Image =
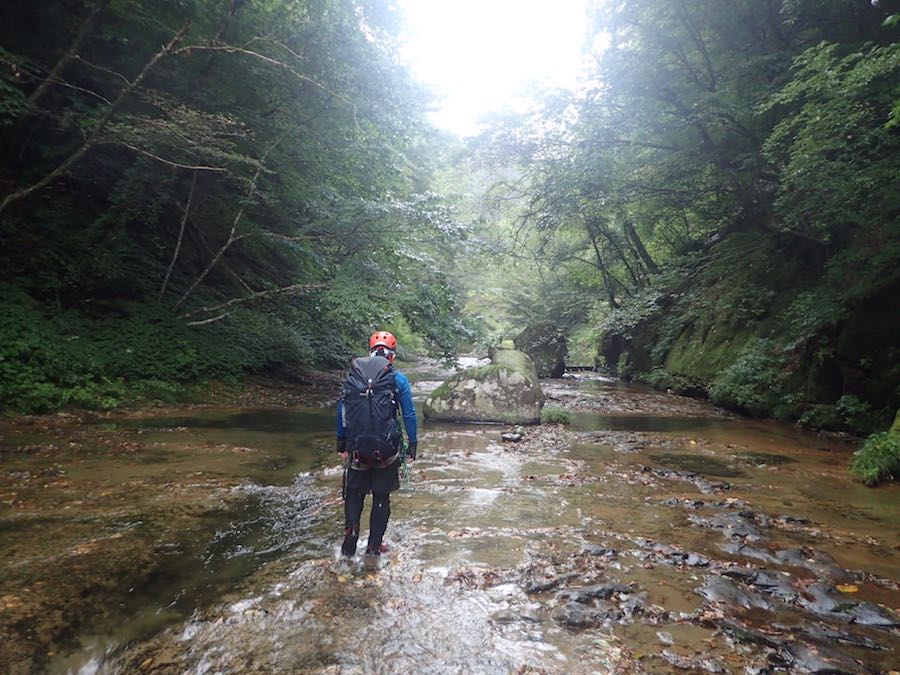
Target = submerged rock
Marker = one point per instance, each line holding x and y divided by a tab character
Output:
721	590
588	593
705	486
507	391
513	436
829	634
672	555
746	635
596	549
741	549
693	663
735	526
862	613
819	659
636	604
577	615
541	584
816	561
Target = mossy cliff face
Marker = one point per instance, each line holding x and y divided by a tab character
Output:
773	328
506	391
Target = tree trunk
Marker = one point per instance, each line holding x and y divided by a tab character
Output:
601	265
640	248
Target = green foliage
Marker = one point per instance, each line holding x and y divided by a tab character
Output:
50	361
753	382
408	343
810	313
821	416
878	459
555	416
12	102
278	146
728	188
836	153
857	415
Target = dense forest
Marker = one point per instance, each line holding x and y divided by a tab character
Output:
201	190
197	190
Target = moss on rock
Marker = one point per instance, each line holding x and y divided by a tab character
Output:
507	391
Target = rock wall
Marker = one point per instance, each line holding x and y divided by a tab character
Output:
785	334
546	346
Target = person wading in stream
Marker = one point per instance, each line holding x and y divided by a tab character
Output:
369	439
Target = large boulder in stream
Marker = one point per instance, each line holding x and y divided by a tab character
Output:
506	391
546	346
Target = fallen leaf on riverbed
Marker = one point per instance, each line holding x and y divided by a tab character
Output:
84	548
8	602
847	588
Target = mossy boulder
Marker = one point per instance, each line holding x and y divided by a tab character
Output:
546	346
506	391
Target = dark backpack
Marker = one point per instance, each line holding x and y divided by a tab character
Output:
370	409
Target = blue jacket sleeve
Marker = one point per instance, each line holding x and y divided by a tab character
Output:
340	420
404	393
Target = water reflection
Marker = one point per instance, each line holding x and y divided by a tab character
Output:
597	422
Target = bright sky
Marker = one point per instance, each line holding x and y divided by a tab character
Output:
480	56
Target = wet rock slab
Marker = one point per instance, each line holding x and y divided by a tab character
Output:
721	590
705	486
824	603
578	615
585	594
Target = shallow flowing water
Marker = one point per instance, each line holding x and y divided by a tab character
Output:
654	534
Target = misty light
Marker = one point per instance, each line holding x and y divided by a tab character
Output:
484	56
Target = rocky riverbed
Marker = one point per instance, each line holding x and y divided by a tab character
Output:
653	534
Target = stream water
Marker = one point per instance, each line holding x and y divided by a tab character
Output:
653	534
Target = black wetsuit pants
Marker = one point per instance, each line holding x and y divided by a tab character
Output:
378	520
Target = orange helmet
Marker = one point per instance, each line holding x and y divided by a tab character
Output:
382	339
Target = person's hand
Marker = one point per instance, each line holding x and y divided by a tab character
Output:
411	452
344	455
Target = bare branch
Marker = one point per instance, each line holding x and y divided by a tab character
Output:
232	236
102	69
95	136
68	55
201	322
202	239
229	49
177	165
293	288
187	210
60	82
